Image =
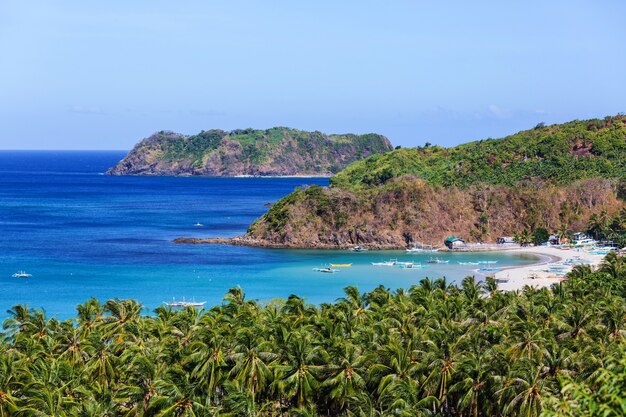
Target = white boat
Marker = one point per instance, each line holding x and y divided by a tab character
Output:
437	261
469	263
21	274
411	265
327	270
390	262
198	225
490	269
421	250
183	304
585	242
358	248
487	262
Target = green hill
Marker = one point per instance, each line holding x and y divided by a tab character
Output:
548	177
559	153
278	151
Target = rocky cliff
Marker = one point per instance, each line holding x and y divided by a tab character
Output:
273	152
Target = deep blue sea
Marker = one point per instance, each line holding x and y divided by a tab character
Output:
82	234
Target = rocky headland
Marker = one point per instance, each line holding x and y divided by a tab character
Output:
273	152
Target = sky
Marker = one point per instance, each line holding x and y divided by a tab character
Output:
102	75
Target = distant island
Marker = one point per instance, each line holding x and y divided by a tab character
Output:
558	177
278	151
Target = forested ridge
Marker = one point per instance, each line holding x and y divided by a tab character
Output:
432	350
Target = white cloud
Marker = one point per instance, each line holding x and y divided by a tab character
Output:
499	112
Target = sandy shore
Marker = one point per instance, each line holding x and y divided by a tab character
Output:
536	275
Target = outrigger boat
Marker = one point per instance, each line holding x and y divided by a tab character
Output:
341	265
411	265
390	262
183	304
21	274
437	261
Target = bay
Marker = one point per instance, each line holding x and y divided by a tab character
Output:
82	234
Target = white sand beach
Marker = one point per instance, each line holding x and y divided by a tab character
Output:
537	275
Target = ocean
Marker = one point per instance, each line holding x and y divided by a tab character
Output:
82	234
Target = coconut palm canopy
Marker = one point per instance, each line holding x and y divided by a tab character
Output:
433	350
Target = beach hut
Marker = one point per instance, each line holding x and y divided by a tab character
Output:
454	242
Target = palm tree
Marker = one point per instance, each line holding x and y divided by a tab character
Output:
253	362
613	264
471	386
598	224
345	378
522	394
563	233
298	377
175	395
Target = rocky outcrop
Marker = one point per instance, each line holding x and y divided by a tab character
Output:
408	210
272	152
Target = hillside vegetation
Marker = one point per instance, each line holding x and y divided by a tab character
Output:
433	350
276	151
554	177
558	153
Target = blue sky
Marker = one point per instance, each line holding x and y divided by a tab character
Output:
102	75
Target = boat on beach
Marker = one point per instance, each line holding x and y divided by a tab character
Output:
417	249
21	274
183	304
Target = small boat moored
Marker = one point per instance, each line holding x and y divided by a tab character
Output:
327	270
438	261
22	274
183	304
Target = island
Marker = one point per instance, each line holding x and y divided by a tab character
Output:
559	177
279	151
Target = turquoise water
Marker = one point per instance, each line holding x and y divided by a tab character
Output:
82	234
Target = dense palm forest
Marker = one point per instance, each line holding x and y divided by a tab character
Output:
433	350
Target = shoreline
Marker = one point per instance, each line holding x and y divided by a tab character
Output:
516	278
511	278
